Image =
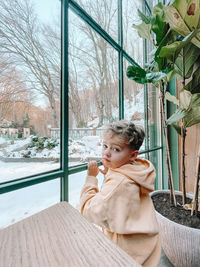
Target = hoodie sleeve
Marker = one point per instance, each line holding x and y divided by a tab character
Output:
117	207
92	202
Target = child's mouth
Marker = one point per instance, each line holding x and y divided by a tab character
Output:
107	160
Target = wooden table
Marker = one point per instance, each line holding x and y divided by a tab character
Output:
59	236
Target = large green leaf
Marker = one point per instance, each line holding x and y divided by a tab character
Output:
192	115
189	11
185	99
155	77
184	16
173	50
176	116
172	98
190	54
194	85
177	128
137	74
189	111
144	30
183	54
168	38
144	18
159	25
156	23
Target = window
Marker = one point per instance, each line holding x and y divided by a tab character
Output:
132	43
19	204
30	55
73	86
30	107
93	89
99	91
105	13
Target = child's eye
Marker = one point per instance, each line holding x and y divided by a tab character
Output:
116	149
105	146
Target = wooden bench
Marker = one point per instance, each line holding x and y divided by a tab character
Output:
59	236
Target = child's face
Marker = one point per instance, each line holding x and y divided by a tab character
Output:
115	152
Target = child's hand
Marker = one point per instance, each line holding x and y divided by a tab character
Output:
93	169
104	171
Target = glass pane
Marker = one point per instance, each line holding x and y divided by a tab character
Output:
105	13
154	116
76	182
22	203
149	4
29	86
154	119
133	100
132	43
155	2
93	89
22	168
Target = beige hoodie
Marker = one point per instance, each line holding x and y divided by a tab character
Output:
124	209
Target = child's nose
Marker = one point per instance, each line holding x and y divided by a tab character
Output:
107	151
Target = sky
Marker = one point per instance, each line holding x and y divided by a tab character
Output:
47	9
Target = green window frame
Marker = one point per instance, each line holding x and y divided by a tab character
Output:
64	170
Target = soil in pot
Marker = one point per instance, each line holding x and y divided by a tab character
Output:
177	214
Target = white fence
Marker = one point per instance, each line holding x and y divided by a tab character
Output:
77	133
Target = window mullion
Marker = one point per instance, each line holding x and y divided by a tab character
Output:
64	99
120	59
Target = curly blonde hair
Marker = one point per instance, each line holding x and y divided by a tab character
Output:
132	134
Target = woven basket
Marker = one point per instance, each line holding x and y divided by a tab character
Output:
180	243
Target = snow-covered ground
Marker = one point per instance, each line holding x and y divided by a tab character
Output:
19	204
24	152
15	170
22	203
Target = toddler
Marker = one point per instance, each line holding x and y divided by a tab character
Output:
123	207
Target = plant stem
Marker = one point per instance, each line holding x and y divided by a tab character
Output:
195	202
170	178
197	196
183	133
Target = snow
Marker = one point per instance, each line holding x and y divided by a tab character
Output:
94	123
87	147
2	140
14	170
19	204
14	145
82	148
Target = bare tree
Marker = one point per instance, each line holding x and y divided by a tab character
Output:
23	37
12	88
96	56
97	61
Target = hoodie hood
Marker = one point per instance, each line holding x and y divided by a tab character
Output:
141	172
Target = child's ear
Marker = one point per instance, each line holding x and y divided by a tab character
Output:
134	154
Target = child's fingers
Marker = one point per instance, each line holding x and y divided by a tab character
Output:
93	168
104	171
92	164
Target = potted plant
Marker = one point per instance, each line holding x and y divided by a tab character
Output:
174	32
